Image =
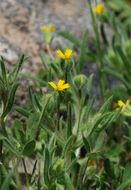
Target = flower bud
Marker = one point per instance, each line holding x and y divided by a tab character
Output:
58	166
80	80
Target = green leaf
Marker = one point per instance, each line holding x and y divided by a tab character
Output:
32	126
89	84
56	69
68	182
109	168
127	172
106	121
29	148
17	124
3	69
124	185
69	120
14	73
44	109
86	144
124	59
100	140
10	100
3	173
37	102
83	50
106	105
70	37
68	145
9	145
22	111
17	132
119	76
46	165
7	182
32	99
45	60
59	186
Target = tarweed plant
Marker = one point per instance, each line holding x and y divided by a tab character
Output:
74	139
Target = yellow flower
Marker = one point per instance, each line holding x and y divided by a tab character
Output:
60	86
50	28
65	55
122	105
99	9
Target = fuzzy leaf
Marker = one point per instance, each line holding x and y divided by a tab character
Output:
29	148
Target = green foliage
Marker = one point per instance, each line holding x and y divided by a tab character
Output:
76	139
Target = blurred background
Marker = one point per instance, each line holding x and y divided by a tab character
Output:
20	21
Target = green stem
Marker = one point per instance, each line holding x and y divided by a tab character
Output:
78	115
2	123
100	64
26	174
49	51
103	35
3	132
41	117
66	75
17	176
58	112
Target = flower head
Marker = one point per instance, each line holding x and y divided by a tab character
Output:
60	86
99	9
49	28
123	105
65	55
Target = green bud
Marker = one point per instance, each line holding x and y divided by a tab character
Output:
38	145
80	80
59	165
18	145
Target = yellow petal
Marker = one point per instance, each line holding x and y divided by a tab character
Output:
52	28
44	28
68	53
127	102
61	82
65	86
121	104
53	85
99	9
49	28
60	54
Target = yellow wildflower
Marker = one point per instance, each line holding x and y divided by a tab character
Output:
65	55
122	105
60	86
49	28
99	9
